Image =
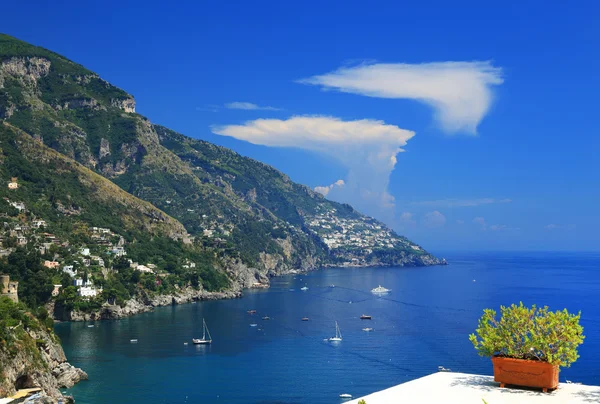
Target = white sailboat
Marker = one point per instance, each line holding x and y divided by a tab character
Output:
338	334
203	340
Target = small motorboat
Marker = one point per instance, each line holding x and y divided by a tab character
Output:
443	369
380	290
345	395
266	318
90	325
133	341
185	343
253	325
304	288
332	286
304	318
251	311
367	329
365	317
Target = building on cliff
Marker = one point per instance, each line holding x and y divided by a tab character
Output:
9	288
13	184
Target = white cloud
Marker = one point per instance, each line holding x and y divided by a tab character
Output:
208	108
325	190
481	222
459	92
249	106
460	222
459	203
407	220
367	148
435	219
553	226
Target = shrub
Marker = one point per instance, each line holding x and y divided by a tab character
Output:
529	333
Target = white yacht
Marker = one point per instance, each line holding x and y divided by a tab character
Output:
304	288
204	340
379	290
338	334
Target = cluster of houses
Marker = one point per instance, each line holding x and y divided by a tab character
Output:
360	232
103	245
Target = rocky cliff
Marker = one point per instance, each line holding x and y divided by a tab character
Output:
31	356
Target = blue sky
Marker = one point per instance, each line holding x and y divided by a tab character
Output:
528	179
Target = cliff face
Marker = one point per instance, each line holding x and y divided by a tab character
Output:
31	356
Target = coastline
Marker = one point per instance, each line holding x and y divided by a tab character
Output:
145	303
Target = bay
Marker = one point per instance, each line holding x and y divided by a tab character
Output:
422	324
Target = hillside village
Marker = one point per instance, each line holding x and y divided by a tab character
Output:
78	264
364	233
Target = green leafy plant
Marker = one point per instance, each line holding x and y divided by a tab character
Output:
534	333
362	402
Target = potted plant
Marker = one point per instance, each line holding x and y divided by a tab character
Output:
528	345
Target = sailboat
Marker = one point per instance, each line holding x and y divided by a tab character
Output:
203	340
338	334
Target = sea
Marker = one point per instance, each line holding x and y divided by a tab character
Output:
423	323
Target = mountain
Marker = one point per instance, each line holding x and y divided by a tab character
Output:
85	156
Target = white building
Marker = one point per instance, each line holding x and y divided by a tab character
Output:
141	268
89	291
38	223
84	251
68	269
118	251
18	205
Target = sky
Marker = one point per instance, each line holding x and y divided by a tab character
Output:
462	126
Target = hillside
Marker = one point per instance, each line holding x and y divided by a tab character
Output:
244	209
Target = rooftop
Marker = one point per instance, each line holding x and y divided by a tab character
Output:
462	388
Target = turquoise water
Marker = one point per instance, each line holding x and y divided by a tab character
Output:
422	324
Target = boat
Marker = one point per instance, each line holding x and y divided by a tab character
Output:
367	329
345	395
443	369
338	334
204	340
304	318
90	325
253	325
251	311
133	340
332	286
266	318
185	343
365	317
380	290
304	288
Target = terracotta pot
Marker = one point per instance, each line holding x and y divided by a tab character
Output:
522	372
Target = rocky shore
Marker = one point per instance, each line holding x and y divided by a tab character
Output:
38	361
142	304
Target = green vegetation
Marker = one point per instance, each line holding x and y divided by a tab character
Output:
15	321
83	162
529	333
